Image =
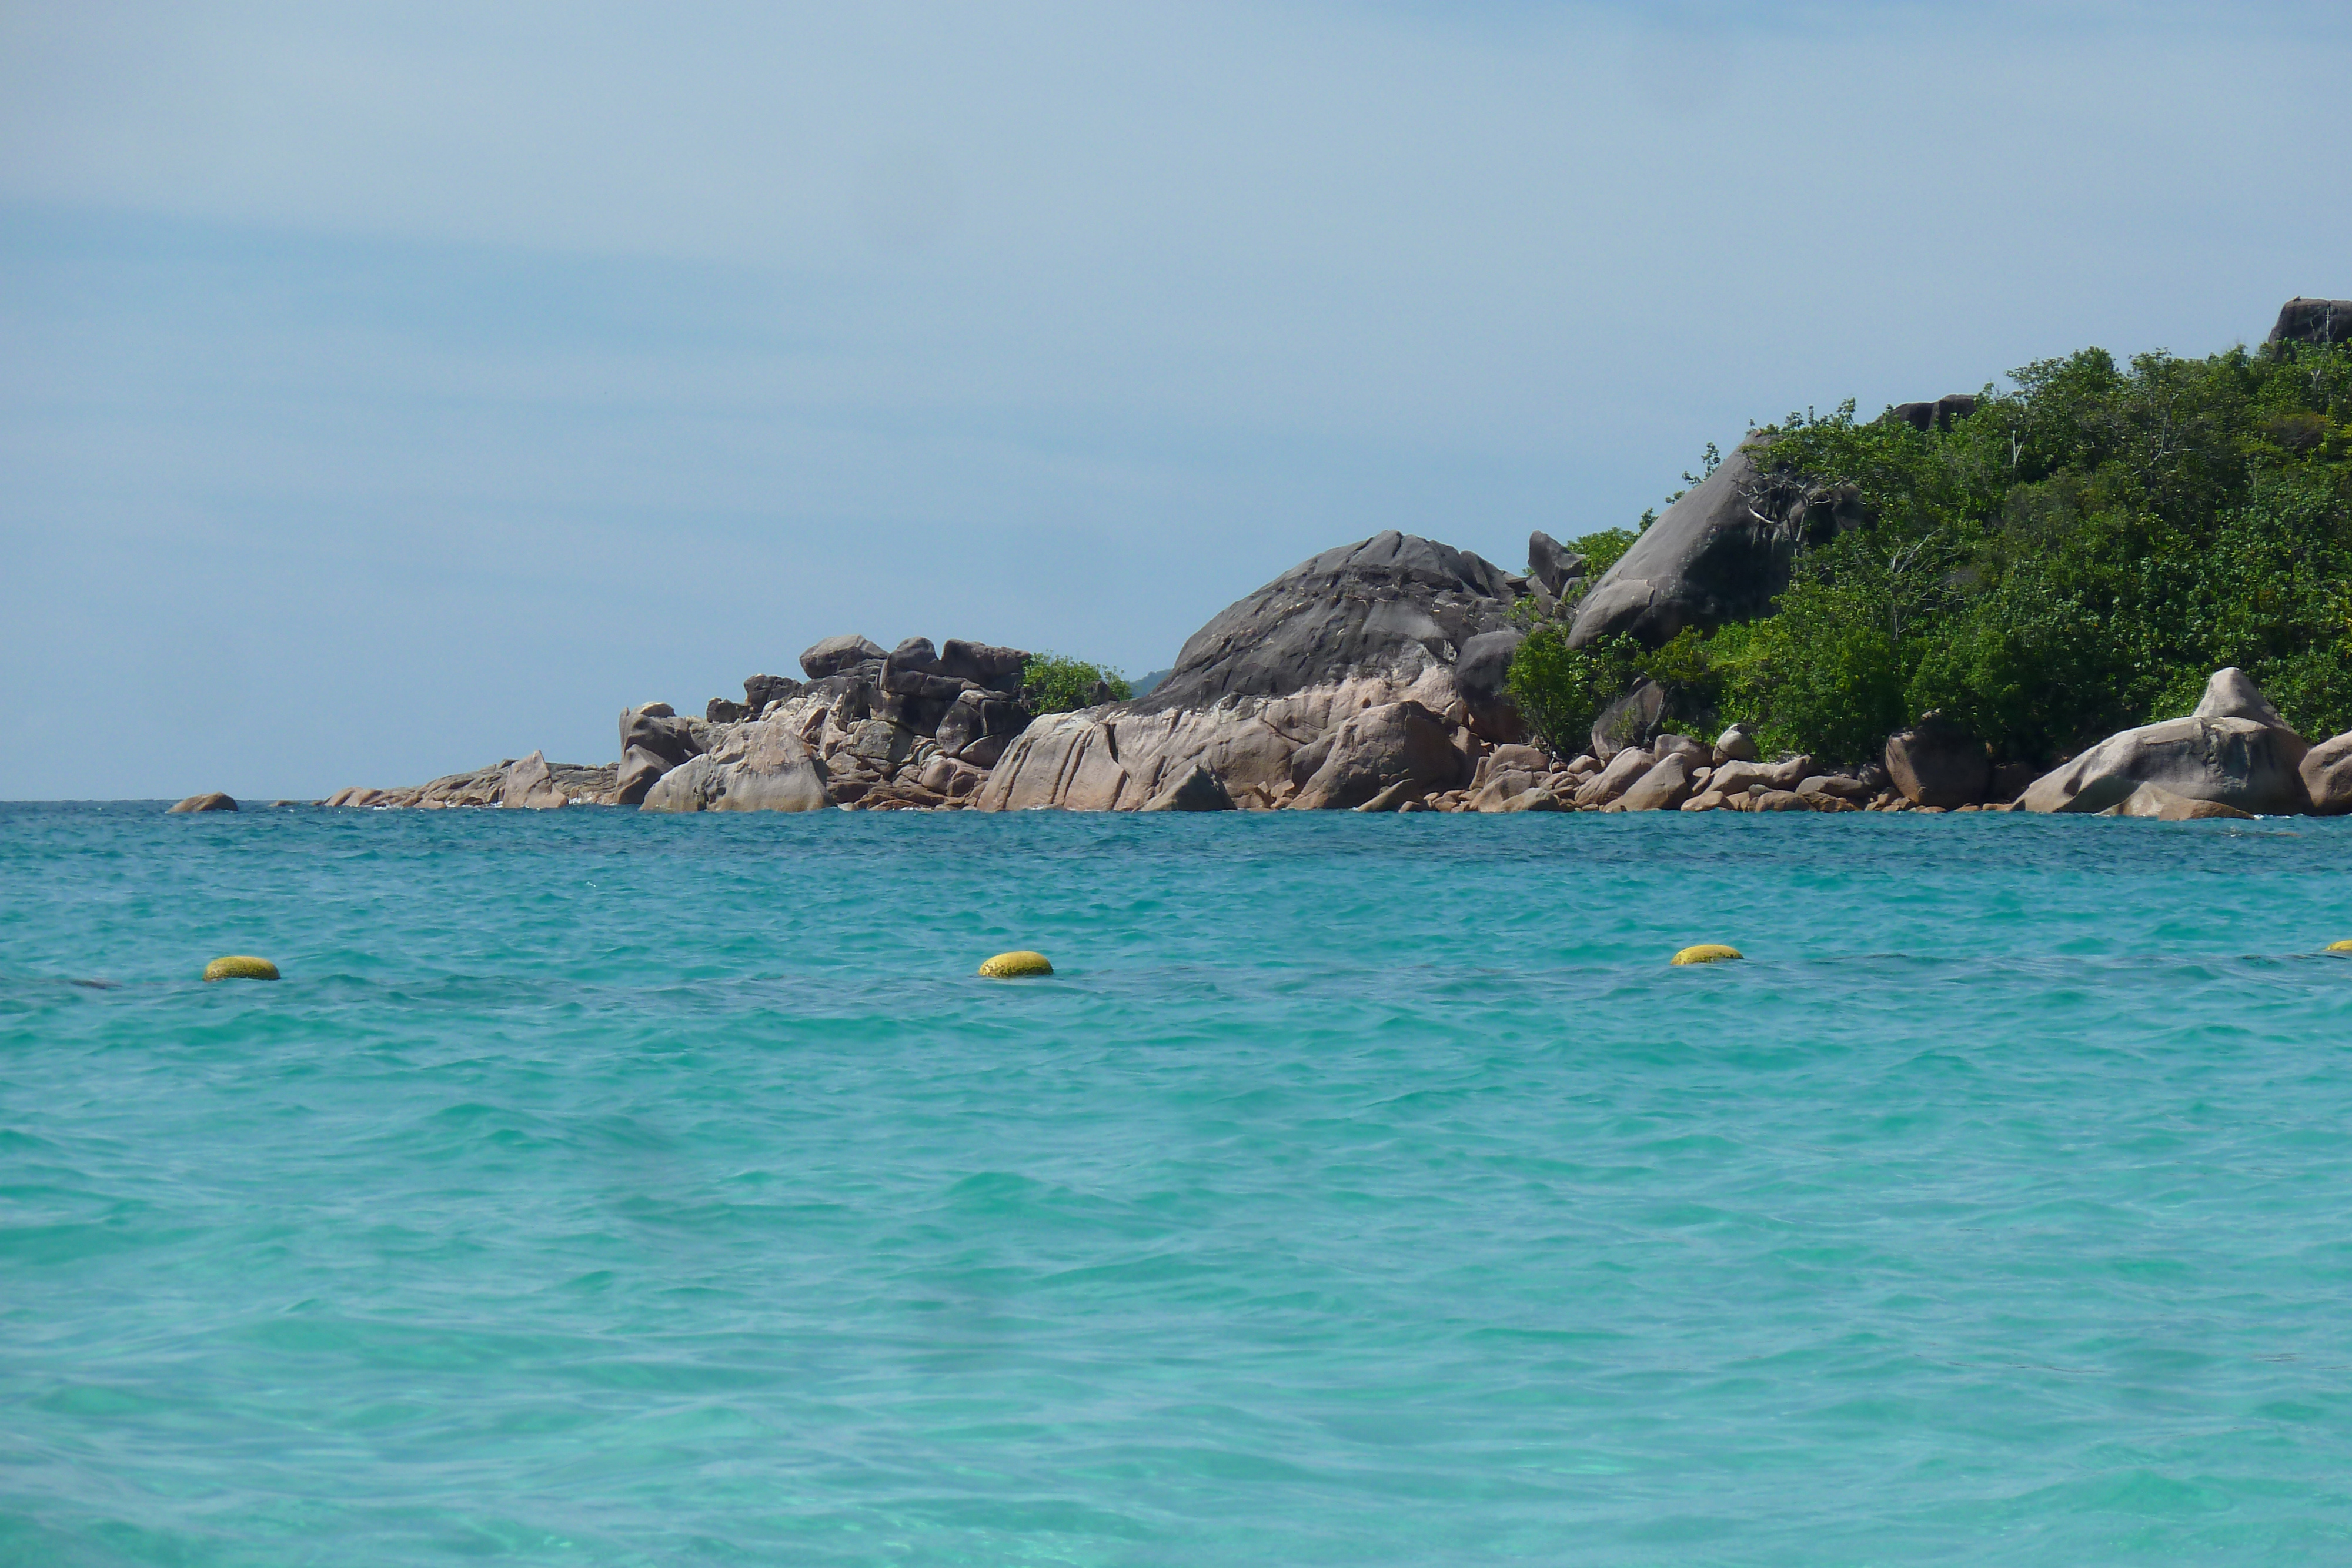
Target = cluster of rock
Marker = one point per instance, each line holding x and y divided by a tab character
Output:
917	727
1368	679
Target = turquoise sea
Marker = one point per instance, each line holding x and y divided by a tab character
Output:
599	1188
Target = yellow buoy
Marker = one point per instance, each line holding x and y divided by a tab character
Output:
2340	947
1009	966
1707	952
241	967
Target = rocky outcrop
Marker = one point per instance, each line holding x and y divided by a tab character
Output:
2327	771
654	740
979	724
1553	566
1480	679
835	654
2219	753
1401	743
580	785
1719	554
1390	608
2302	321
1938	763
529	785
1264	749
762	766
213	801
759	691
2230	693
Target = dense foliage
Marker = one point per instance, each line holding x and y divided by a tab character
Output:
2076	557
1053	683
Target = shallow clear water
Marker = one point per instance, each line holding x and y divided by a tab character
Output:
608	1189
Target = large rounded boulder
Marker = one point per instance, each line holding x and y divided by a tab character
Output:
1938	763
1392	606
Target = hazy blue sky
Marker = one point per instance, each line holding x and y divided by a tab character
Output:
388	390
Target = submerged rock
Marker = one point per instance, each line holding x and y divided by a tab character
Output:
214	801
2164	805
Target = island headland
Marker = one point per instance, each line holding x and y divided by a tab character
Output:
1947	608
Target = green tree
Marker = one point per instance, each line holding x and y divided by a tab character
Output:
1053	683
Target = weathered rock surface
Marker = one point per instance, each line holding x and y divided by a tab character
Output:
1634	720
757	767
1501	789
1265	749
1629	763
979	724
2327	771
2238	762
654	740
983	664
1479	677
1552	564
1938	763
1390	608
2302	321
1199	790
1735	745
835	654
1719	554
213	801
1536	800
2230	693
1663	787
1683	746
1392	742
759	691
529	785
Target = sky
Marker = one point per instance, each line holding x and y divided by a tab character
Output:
389	389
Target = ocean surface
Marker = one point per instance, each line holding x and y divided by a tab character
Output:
599	1188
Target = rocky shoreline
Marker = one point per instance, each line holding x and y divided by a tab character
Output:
1367	679
1372	678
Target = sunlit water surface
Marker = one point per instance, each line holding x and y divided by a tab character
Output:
1362	1190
